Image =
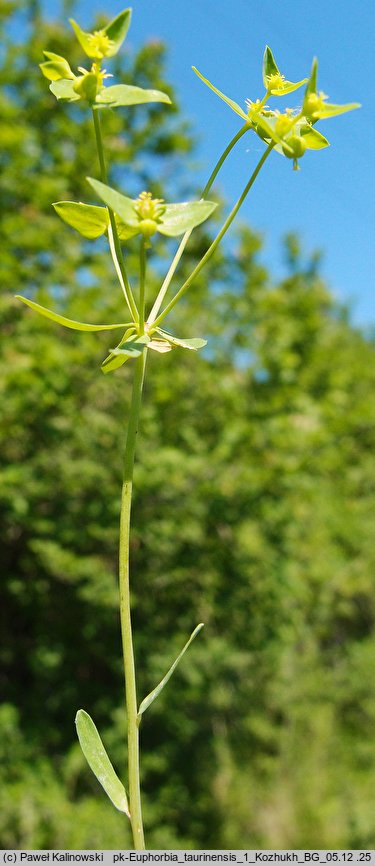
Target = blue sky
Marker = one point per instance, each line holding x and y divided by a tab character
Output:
330	201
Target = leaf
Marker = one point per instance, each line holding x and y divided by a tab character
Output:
287	87
193	343
312	83
128	347
84	39
126	94
64	89
313	139
116	31
160	346
68	323
119	203
131	348
270	66
124	232
233	105
330	110
179	218
89	220
56	67
98	760
149	699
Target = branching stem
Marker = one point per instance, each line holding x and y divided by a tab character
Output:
215	243
115	245
167	281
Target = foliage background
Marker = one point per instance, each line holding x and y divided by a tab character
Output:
253	512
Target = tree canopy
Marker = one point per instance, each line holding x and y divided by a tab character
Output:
253	512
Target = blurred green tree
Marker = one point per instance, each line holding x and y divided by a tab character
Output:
253	513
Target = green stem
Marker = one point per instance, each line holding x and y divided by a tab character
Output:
135	807
115	246
217	240
142	285
165	286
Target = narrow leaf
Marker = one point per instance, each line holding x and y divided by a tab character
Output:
155	692
68	323
119	203
98	760
126	94
330	110
312	83
179	218
193	343
233	105
116	31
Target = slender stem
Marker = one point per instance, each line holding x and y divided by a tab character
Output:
218	238
223	157
115	246
142	284
165	286
135	807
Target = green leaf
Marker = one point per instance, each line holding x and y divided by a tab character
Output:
131	348
287	87
128	347
98	760
89	220
116	31
84	39
270	66
64	89
330	110
176	219
68	323
312	83
56	67
122	205
126	94
193	343
233	105
313	139
179	218
149	699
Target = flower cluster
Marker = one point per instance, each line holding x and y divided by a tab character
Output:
292	131
89	85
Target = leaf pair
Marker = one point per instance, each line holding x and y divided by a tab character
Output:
89	85
93	748
106	42
106	97
170	220
131	345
